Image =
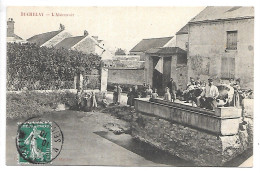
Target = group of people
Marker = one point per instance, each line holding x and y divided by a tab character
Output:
144	91
208	95
199	93
86	100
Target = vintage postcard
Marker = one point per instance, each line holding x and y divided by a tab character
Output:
130	86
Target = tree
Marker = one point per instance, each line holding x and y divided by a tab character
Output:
120	51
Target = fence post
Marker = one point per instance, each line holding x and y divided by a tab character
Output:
104	76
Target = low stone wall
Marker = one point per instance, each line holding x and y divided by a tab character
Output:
204	148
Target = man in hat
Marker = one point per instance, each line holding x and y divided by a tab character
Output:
209	96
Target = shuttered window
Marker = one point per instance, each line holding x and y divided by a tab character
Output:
227	68
231	40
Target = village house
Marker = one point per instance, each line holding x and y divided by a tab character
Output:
86	44
159	60
217	43
11	36
221	44
130	69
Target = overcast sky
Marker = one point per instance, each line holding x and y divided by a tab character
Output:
121	27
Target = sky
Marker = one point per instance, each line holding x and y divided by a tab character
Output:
120	27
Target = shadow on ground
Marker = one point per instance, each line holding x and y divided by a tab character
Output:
144	150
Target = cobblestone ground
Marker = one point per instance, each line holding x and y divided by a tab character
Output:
88	140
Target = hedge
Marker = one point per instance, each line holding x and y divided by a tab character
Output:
34	67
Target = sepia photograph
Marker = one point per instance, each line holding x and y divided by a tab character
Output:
135	86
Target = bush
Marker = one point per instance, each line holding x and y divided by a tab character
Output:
33	103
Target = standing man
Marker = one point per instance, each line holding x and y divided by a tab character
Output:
173	88
209	96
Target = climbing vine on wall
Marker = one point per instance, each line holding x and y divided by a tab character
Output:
200	65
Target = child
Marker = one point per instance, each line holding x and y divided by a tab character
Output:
149	91
115	96
130	97
167	95
94	101
119	91
154	94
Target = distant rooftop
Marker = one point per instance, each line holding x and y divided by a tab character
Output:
40	39
221	13
147	44
69	42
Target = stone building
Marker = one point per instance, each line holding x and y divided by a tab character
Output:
86	44
163	60
165	63
221	44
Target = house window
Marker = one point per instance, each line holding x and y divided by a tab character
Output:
231	40
227	68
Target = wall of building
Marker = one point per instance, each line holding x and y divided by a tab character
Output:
207	46
182	40
141	54
126	76
179	72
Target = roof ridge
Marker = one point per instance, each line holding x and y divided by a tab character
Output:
158	38
45	33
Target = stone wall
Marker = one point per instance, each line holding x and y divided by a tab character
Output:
162	126
126	76
202	148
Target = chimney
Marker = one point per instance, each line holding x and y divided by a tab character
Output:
62	27
85	33
10	27
95	37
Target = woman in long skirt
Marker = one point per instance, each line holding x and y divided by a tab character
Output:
115	95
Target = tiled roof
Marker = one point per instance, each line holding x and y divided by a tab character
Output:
69	42
166	51
221	13
183	30
147	44
40	39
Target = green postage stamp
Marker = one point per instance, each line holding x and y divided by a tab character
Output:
34	142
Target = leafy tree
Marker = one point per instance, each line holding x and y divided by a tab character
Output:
120	51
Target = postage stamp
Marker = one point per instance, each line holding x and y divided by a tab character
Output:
34	142
38	141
